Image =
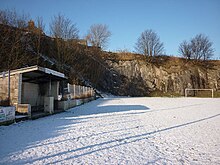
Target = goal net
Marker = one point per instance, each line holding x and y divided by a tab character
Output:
199	92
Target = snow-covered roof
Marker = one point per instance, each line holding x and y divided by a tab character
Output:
32	69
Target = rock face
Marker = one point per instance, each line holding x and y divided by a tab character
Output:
143	78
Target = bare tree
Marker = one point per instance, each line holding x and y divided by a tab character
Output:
13	47
63	31
40	23
149	44
199	48
40	26
62	27
14	43
185	50
13	18
98	35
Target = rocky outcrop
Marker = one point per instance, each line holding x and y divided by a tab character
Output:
116	73
144	77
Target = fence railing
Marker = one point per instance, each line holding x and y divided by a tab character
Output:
188	90
79	92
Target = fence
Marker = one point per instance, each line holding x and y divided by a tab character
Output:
80	92
187	89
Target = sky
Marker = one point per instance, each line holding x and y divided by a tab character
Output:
173	20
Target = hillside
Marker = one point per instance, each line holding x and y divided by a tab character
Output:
165	75
116	73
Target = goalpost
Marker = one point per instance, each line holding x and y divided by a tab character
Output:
188	89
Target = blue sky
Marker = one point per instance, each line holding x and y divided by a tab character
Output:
173	20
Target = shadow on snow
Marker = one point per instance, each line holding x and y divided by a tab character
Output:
52	126
117	142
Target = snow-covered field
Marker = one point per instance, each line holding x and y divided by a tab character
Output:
119	131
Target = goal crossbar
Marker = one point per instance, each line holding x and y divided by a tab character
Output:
188	89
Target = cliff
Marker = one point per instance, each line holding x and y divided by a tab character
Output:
165	75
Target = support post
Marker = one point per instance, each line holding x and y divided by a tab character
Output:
68	87
49	93
74	91
186	92
9	84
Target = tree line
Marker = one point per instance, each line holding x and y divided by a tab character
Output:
148	43
23	42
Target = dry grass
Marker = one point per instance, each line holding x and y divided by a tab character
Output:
158	93
204	94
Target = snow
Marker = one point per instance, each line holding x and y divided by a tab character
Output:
119	130
20	116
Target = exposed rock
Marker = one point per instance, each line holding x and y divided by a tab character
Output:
145	77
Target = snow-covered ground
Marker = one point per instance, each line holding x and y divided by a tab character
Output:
119	131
